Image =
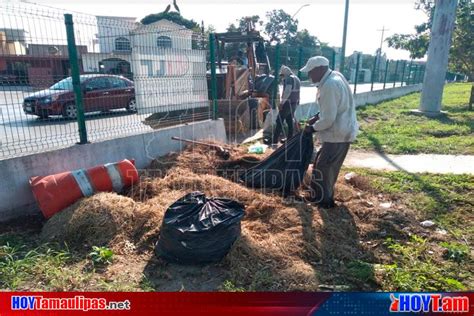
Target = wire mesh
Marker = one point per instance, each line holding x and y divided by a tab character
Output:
134	77
33	57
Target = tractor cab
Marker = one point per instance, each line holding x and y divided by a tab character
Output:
244	83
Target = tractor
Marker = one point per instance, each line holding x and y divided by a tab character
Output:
244	82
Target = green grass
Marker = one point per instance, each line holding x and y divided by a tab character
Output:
416	263
101	255
391	128
415	270
447	200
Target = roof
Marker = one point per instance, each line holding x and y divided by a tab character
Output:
125	18
164	25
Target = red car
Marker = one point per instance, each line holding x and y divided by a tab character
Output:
100	93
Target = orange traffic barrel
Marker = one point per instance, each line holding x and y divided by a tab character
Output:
56	192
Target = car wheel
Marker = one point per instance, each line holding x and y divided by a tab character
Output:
70	111
132	106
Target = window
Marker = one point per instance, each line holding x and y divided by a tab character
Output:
122	44
163	42
101	83
116	83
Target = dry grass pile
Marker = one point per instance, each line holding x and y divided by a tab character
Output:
105	219
285	245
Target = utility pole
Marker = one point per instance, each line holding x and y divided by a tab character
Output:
381	37
437	62
344	37
380	48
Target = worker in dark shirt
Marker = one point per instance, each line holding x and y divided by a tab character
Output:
290	99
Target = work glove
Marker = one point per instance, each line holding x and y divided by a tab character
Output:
309	129
313	120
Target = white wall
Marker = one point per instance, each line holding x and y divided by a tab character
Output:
373	97
111	28
306	110
167	79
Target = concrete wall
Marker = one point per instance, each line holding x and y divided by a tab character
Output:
372	97
377	96
16	198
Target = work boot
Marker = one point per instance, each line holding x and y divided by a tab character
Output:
326	205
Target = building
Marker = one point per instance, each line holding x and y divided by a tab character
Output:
113	37
38	65
365	73
118	35
159	57
12	42
169	74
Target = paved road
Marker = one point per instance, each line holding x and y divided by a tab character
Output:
21	133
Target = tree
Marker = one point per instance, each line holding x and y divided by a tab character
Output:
173	17
242	23
461	57
305	39
462	48
280	26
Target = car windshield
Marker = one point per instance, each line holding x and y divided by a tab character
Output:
65	84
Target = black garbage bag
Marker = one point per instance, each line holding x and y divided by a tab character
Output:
285	168
197	229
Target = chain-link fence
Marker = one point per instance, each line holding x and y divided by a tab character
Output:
373	70
131	77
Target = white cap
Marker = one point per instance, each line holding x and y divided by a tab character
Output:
284	70
313	62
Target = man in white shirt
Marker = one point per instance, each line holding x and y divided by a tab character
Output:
336	127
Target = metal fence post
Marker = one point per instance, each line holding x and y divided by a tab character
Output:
403	73
419	74
471	99
387	63
212	60
333	59
395	74
300	61
76	81
409	72
423	74
415	74
275	81
374	69
356	73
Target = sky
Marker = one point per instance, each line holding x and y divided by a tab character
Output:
323	18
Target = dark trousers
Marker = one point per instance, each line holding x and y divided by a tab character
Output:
326	168
286	114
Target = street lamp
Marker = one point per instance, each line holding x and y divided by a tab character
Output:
297	11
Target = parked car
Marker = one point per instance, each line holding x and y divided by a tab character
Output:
100	93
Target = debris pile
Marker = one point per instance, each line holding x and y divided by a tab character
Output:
284	244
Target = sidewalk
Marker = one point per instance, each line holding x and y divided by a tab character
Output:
456	164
